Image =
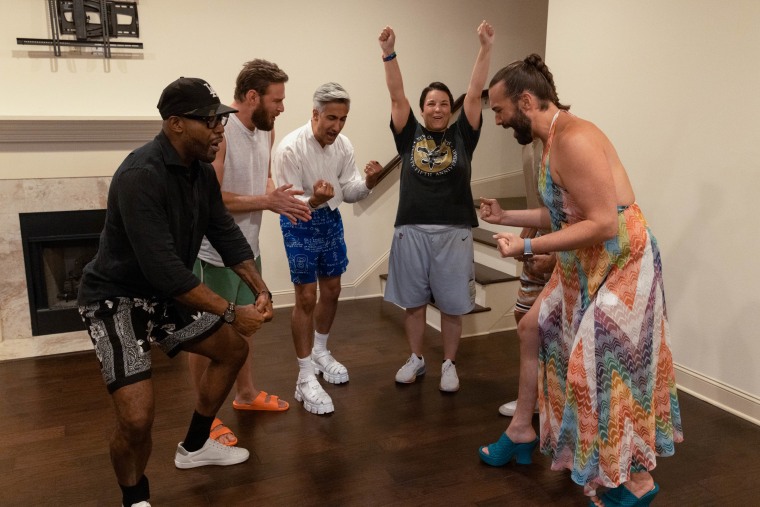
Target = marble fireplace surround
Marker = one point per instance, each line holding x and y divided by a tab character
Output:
27	196
43	137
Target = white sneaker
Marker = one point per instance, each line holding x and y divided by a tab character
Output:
212	453
139	504
449	379
332	371
314	398
508	409
413	368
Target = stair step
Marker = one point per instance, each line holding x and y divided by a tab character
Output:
485	275
483	236
508	203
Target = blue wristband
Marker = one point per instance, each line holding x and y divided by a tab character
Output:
389	57
527	250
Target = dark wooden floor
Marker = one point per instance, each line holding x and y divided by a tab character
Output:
385	444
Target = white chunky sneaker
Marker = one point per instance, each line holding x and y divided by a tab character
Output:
508	409
314	398
413	368
139	504
332	371
212	453
449	379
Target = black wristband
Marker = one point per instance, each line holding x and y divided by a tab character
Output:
271	299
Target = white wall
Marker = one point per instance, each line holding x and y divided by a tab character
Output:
675	86
313	42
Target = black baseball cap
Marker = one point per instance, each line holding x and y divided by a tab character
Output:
191	96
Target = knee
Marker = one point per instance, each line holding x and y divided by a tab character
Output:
306	301
527	329
330	291
135	426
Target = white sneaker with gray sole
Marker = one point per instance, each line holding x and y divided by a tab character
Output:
413	368
212	453
449	378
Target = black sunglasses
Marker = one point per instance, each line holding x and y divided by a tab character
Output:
211	121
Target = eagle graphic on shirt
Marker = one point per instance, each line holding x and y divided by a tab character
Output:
430	158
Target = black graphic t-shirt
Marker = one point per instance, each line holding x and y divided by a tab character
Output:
435	173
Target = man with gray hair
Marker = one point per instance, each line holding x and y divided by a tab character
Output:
317	159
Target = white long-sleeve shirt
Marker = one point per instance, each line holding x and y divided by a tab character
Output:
300	160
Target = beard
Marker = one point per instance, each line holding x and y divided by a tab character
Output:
522	126
261	120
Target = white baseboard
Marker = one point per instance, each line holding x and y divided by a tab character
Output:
716	393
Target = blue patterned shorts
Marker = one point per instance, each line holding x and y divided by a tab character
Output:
315	249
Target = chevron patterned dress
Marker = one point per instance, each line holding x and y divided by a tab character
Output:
607	393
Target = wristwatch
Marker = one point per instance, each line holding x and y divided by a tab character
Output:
527	250
229	313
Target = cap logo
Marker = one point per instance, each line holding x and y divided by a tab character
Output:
210	90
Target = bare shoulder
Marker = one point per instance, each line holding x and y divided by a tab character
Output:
584	151
578	148
577	140
577	132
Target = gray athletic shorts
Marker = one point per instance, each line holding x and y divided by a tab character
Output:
432	264
122	330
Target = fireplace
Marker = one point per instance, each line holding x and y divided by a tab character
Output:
56	246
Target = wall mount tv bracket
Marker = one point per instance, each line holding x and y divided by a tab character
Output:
93	22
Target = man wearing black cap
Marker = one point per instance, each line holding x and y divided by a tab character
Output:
140	288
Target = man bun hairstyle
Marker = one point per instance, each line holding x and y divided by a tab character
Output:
530	74
257	75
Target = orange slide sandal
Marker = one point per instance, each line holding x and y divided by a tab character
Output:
261	403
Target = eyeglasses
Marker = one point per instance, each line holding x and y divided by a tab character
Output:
211	121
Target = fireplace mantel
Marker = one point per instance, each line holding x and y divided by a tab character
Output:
77	129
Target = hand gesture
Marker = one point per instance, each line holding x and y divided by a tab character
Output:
509	245
387	40
485	34
490	211
264	305
323	192
248	319
282	200
372	170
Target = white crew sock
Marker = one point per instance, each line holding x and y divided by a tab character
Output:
320	341
305	368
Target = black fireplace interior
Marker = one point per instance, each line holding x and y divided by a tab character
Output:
57	245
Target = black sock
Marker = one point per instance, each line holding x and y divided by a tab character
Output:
198	432
452	362
140	492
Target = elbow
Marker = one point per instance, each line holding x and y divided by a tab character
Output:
609	229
